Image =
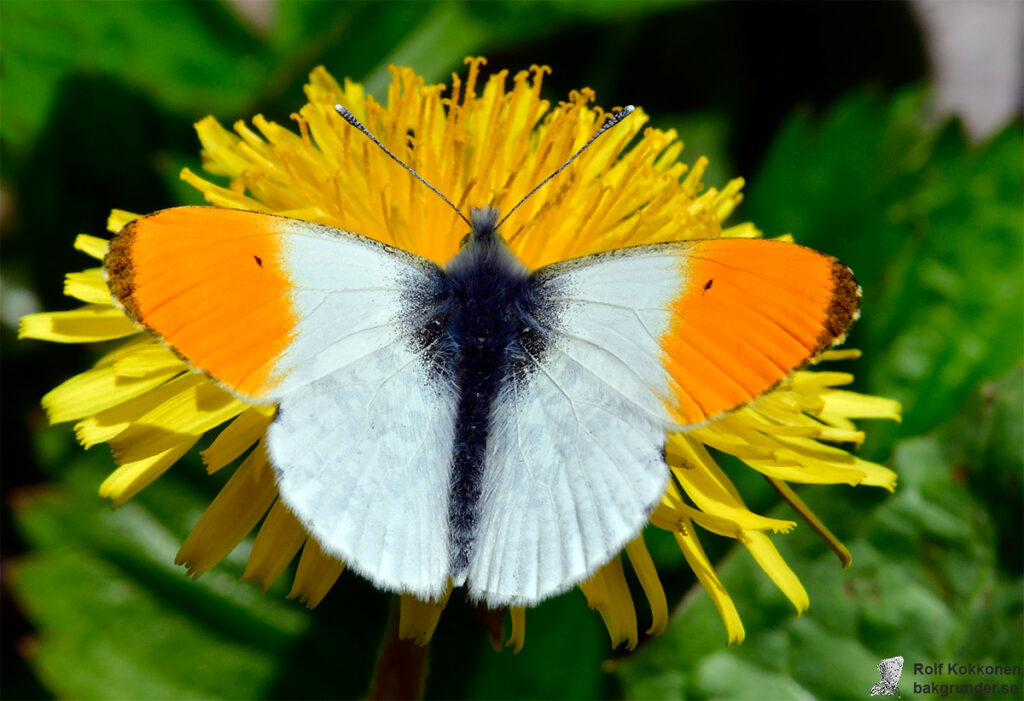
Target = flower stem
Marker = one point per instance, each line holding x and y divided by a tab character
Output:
402	665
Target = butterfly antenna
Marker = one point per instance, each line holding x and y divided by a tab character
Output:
351	119
616	118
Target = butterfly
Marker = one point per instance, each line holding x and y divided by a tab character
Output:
475	424
891	669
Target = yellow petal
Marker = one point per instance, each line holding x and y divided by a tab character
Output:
220	149
316	574
769	421
191	412
861	406
237	437
230	516
94	322
836	420
91	245
840	354
221	196
671	513
97	390
701	566
276	544
105	425
607	592
793	467
746	230
811	462
88	286
643	565
418	619
841	435
712	492
146	360
518	617
772	563
731	436
132	477
875	475
689	453
119	218
728	199
820	378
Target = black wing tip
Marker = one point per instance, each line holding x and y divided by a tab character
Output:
119	268
843	308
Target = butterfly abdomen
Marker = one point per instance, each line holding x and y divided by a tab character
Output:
489	302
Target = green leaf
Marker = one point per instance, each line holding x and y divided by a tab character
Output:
992	463
434	38
931	227
438	43
212	65
115	617
925	583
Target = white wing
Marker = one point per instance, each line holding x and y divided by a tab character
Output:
575	456
363	439
363	460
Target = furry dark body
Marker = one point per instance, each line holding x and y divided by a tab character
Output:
483	330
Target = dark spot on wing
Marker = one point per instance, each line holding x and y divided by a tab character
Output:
259	261
708	284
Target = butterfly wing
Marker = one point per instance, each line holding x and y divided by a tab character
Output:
636	342
891	669
333	327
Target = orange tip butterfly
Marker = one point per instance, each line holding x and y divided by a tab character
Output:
479	425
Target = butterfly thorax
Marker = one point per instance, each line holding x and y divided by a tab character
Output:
488	291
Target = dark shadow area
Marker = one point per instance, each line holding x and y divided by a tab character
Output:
335	658
104	146
755	62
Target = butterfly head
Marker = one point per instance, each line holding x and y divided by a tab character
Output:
484	249
483	226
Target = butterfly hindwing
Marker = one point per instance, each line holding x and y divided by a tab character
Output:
638	341
326	324
362	457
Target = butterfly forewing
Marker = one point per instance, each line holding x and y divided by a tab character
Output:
328	325
750	312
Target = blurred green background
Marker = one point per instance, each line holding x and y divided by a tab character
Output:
824	108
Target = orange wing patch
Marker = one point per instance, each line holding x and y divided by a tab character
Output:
212	284
751	312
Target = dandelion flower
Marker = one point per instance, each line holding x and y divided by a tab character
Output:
486	143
